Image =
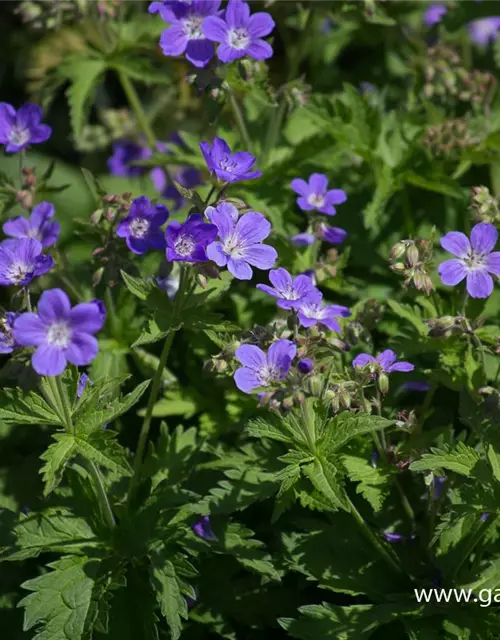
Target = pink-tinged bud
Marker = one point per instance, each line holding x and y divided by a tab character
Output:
97	277
25	199
97	251
412	256
110	214
95	218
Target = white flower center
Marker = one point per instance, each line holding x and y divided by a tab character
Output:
238	38
316	200
192	27
139	227
18	271
59	334
269	373
19	136
475	261
185	245
226	163
312	311
6	333
233	246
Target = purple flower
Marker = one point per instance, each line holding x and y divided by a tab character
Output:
415	385
366	87
228	166
475	260
186	35
260	369
439	482
187	177
21	261
203	529
240	243
484	30
20	128
311	312
385	362
303	239
434	14
239	33
141	227
170	285
188	242
224	207
333	235
305	365
397	537
484	516
61	334
314	195
375	458
7	342
125	153
38	226
289	292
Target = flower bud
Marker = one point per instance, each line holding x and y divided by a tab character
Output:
383	383
315	385
398	267
412	256
398	250
305	365
95	218
97	277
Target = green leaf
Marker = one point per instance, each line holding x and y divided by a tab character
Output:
238	541
168	593
374	212
18	407
56	457
137	286
175	455
90	418
326	478
84	75
408	313
61	606
346	426
462	459
54	530
441	184
261	428
102	448
494	458
373	484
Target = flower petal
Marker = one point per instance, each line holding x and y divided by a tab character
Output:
280	278
224	222
261	256
49	360
452	272
304	204
18	227
260	24
173	41
335	196
479	283
483	237
215	29
386	358
301	187
87	317
29	330
281	353
493	263
240	269
252	228
251	356
259	50
215	252
199	52
226	53
362	360
456	243
402	366
237	13
318	183
246	380
54	306
82	349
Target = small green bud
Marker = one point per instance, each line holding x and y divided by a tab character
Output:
383	383
412	256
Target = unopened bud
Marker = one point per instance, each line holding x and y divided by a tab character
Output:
287	403
339	344
398	250
412	256
110	214
315	385
97	277
398	267
383	383
25	199
95	218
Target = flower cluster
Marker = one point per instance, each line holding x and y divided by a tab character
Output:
196	26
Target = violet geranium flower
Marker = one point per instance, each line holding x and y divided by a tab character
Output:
484	30
39	225
187	242
333	235
240	243
125	153
23	127
186	34
305	365
224	207
434	14
239	33
21	260
475	259
141	227
385	362
289	292
61	334
203	529
303	239
311	312
260	369
314	195
228	166
7	342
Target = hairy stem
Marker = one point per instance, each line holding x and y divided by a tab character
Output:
65	405
135	103
475	538
101	494
240	120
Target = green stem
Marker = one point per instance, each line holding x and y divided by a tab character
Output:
135	103
273	131
22	157
155	388
497	374
309	430
100	490
377	544
476	340
210	194
475	538
61	397
464	303
240	121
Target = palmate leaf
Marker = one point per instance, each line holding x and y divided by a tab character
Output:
167	587
462	459
55	458
346	426
101	448
327	479
54	530
18	407
374	483
62	605
89	418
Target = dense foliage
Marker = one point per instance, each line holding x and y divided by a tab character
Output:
222	415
